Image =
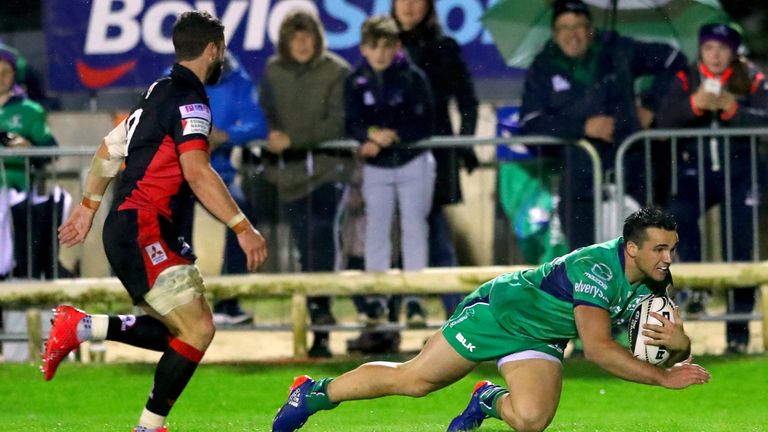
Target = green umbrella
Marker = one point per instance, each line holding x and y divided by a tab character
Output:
520	28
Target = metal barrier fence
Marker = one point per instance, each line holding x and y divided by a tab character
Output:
699	136
66	165
299	324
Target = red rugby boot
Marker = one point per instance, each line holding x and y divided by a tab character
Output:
63	338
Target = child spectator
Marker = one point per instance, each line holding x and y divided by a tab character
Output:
389	108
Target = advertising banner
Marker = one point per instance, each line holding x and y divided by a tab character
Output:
99	44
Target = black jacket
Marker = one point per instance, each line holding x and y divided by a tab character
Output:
562	93
399	98
439	56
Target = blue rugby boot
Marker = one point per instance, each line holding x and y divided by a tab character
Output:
481	406
305	397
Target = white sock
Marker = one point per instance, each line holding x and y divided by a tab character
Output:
150	420
92	327
99	325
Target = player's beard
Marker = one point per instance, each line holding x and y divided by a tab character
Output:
214	73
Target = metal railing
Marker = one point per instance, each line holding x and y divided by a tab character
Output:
699	135
52	173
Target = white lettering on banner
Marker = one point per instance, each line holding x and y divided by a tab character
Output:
119	26
152	26
103	18
257	19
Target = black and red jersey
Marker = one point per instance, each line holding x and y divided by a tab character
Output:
171	118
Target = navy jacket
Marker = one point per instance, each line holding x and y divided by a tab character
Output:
561	93
399	98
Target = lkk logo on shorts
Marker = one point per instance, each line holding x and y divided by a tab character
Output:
156	253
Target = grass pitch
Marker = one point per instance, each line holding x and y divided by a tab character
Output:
109	397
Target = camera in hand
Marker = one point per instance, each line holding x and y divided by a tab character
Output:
6	137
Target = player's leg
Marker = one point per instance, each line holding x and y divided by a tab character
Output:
534	392
534	380
72	326
436	366
177	301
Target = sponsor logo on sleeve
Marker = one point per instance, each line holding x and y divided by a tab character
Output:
602	271
197	110
591	290
156	253
195	126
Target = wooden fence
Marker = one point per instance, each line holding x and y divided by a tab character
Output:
32	295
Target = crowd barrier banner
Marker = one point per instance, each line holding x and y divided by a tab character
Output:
98	44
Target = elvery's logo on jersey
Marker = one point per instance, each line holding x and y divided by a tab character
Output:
195	119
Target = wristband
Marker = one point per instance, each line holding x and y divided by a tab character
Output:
239	223
91	201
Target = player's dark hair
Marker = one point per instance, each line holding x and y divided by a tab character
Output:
300	21
193	31
648	217
379	28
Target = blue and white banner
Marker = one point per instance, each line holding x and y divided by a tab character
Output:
96	44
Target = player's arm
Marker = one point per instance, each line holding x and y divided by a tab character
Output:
213	194
594	327
669	334
105	165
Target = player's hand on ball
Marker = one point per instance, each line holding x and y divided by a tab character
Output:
669	334
682	375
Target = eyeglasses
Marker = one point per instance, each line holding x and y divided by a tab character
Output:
572	27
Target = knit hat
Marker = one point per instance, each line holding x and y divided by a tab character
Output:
722	33
8	56
560	7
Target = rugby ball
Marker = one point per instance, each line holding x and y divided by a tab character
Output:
654	355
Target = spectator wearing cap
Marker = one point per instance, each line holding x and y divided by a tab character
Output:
22	124
581	85
721	89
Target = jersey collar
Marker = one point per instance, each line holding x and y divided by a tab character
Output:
179	72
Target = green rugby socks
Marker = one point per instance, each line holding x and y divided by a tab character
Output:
317	398
488	400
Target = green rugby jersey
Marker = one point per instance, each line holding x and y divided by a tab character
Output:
539	302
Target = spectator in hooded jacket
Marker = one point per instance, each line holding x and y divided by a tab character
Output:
302	97
439	56
581	85
719	90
